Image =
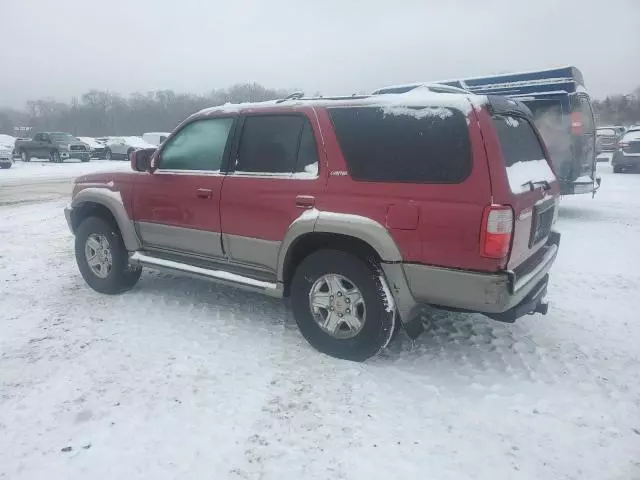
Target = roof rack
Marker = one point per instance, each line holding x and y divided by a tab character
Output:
292	96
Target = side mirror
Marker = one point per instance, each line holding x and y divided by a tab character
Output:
141	159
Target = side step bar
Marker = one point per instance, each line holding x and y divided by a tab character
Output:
219	276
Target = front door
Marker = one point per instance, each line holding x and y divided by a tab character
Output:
274	178
177	207
41	146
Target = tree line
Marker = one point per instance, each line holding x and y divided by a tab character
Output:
102	113
618	109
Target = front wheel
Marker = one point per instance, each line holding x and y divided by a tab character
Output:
617	169
55	157
102	258
107	155
341	305
24	156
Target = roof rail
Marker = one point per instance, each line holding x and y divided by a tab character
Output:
292	96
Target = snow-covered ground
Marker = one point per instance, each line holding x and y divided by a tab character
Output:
42	170
180	378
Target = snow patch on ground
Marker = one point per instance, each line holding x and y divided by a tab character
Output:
38	171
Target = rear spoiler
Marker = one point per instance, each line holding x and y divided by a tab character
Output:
498	105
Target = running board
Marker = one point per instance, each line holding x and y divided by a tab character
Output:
219	276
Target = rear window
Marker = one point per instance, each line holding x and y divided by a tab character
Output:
403	144
522	153
582	105
631	136
606	132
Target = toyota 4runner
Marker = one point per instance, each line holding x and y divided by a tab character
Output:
366	212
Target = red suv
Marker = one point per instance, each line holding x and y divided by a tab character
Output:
365	211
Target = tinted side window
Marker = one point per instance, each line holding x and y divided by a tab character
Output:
198	146
38	137
518	141
269	143
402	144
308	152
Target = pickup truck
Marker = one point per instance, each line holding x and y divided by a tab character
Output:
55	146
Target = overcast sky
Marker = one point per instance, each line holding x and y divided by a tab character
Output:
63	48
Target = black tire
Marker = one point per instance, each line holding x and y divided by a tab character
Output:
617	169
85	159
5	166
55	157
379	324
129	152
107	155
25	156
122	277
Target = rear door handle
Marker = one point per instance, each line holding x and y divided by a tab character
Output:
305	201
204	193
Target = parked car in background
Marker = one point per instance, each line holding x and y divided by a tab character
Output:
96	149
607	138
627	155
6	156
155	138
121	147
363	211
56	146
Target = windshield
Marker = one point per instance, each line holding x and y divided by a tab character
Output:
62	137
606	132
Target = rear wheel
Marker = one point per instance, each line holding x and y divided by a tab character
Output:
5	165
24	156
102	258
129	152
340	305
55	157
617	169
107	155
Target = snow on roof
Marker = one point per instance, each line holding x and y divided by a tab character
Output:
91	142
166	134
7	140
418	97
136	142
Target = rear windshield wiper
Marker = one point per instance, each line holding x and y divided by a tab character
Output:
532	185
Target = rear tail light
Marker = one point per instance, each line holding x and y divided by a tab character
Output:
497	228
576	123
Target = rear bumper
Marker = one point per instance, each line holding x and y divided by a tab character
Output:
628	160
502	296
576	188
78	154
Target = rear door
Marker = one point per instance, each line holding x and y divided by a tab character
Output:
522	177
583	133
275	177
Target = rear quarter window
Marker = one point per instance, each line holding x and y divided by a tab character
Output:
403	144
522	152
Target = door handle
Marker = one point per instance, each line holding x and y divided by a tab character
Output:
305	201
204	193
